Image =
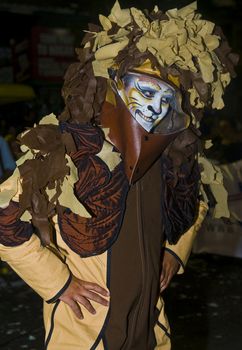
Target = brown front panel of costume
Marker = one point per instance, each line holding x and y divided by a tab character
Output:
139	149
135	267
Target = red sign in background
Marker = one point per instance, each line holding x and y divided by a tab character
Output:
52	50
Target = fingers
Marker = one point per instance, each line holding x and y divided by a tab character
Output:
75	308
80	292
86	293
86	303
164	283
170	266
95	287
166	277
163	280
95	297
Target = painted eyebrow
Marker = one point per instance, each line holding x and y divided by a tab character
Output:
168	93
148	84
152	85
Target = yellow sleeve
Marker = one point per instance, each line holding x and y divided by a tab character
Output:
182	249
39	267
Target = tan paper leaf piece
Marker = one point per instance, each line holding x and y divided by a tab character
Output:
140	19
217	92
225	79
100	68
105	22
156	9
110	51
49	119
9	189
195	99
206	66
188	10
119	16
67	197
112	159
211	41
212	176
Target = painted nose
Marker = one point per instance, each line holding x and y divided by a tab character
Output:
155	109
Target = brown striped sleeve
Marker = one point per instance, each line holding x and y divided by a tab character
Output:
13	231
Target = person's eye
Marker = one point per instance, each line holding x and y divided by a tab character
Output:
166	99
145	90
148	93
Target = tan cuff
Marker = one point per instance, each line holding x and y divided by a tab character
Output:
182	249
39	267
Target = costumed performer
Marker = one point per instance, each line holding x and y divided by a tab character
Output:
107	198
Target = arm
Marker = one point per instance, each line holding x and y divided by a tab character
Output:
175	256
23	251
40	267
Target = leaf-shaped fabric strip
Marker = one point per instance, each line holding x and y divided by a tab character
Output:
140	19
110	51
119	16
206	66
105	22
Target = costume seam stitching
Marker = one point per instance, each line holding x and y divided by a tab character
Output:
52	324
176	256
163	328
101	335
66	285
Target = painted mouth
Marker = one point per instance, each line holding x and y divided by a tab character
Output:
144	117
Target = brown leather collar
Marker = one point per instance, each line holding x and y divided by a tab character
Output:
139	149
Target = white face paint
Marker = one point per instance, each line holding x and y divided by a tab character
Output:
147	98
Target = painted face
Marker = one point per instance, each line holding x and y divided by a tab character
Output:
147	98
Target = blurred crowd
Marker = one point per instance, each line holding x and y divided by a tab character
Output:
7	163
9	129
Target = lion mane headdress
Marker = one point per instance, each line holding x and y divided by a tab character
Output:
189	51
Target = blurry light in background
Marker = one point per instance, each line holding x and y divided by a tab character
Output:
224	3
10	93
